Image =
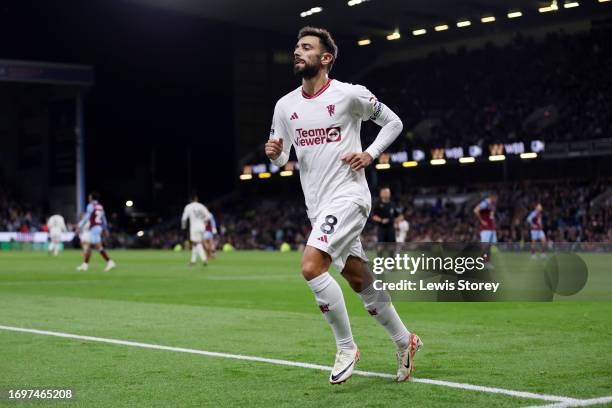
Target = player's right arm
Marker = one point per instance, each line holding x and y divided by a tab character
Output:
531	217
278	146
477	213
87	215
184	218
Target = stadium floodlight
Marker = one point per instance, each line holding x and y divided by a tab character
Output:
264	175
553	7
515	14
412	163
394	36
420	31
286	173
129	203
530	155
365	41
464	23
604	1
437	162
140	233
352	3
571	4
246	176
441	27
467	159
311	11
383	166
497	157
488	19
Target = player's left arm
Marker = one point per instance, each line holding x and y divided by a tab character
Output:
104	222
207	215
367	107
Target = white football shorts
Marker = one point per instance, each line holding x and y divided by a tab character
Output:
336	231
55	234
85	236
196	234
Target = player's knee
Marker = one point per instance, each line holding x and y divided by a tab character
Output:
311	269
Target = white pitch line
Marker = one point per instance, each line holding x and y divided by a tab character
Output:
492	390
577	403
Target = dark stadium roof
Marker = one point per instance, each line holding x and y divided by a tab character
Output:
370	18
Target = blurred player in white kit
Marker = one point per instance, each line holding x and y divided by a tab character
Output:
84	236
401	228
322	121
57	226
198	216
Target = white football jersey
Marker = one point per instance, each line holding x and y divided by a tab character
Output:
197	214
322	128
56	222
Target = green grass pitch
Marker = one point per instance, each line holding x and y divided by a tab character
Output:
257	304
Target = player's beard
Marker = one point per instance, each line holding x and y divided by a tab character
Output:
308	70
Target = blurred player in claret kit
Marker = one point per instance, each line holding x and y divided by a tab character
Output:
537	233
198	215
322	120
485	212
209	237
96	219
57	226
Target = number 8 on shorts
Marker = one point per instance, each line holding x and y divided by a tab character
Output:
328	226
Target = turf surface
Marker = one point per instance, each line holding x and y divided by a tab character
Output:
256	303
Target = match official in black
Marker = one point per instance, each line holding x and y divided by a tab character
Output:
383	214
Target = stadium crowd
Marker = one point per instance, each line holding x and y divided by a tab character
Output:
17	216
556	90
569	216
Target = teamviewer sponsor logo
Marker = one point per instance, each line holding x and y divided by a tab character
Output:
311	137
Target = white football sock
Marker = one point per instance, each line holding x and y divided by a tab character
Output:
57	248
378	304
194	253
331	302
51	246
201	252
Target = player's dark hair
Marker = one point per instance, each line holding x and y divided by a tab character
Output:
194	196
95	195
327	42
